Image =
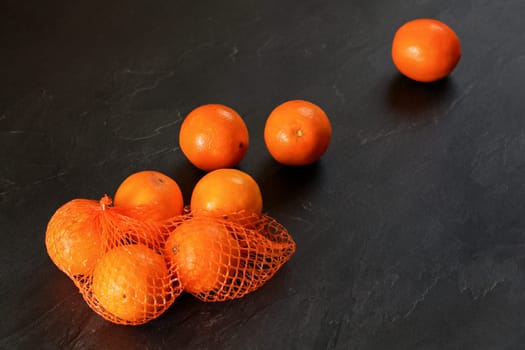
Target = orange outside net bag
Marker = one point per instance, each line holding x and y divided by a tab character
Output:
221	258
114	258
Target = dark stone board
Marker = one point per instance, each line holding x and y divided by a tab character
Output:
410	230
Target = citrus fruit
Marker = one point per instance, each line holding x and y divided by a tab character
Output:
297	132
425	49
157	194
213	136
132	282
73	242
203	251
226	191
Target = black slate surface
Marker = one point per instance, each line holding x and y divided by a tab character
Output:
410	230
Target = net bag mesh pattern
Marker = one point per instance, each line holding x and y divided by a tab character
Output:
130	269
226	257
123	275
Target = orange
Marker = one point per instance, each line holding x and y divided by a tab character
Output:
203	251
226	191
153	191
73	242
213	136
297	133
425	49
132	283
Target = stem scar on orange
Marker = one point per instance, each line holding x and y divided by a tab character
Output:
213	136
425	49
297	132
226	191
204	252
132	282
151	189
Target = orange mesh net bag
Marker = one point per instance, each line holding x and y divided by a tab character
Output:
221	258
130	269
114	258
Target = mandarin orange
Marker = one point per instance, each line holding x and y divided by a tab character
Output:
226	191
203	251
214	136
297	132
425	49
158	195
132	284
73	242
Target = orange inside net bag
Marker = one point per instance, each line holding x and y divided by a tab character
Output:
115	259
222	258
